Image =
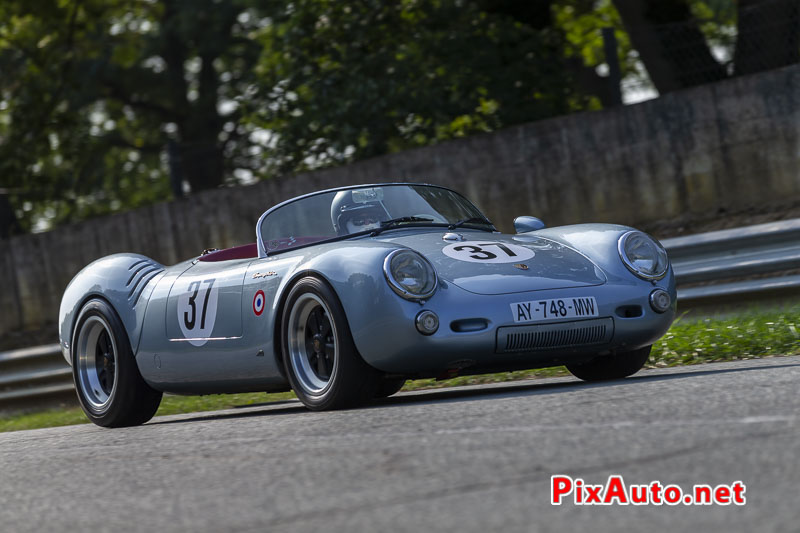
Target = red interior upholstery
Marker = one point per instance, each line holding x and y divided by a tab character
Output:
245	251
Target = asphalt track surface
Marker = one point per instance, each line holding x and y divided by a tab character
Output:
466	459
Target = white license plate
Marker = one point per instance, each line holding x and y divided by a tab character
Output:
555	309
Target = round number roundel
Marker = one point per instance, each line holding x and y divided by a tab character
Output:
258	303
488	252
197	309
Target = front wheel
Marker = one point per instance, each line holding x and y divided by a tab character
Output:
320	357
616	366
110	388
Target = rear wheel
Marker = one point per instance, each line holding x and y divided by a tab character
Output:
321	360
110	389
616	366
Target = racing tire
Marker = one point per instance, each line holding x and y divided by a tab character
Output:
110	388
389	386
323	366
616	366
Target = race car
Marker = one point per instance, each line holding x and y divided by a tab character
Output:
349	292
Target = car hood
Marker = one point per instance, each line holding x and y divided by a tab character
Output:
546	264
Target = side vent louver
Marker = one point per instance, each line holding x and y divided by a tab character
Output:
552	336
141	273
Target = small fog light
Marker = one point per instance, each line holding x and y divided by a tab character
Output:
660	300
427	322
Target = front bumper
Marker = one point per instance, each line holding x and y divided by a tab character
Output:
474	330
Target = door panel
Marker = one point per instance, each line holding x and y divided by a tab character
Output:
205	303
232	351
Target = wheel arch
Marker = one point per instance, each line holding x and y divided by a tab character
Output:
81	307
354	273
123	281
277	334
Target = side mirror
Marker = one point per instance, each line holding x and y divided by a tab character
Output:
526	224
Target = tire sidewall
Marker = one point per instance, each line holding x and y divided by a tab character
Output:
123	360
610	367
348	366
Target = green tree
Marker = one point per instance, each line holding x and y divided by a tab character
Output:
351	80
111	104
675	38
100	99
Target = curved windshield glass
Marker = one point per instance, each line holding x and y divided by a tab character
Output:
339	214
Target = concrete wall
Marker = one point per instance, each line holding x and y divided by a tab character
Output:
726	146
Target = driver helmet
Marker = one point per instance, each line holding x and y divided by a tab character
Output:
348	216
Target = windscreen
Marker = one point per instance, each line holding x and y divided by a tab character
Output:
333	214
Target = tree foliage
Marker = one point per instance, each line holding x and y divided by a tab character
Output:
93	93
111	104
684	43
342	81
354	80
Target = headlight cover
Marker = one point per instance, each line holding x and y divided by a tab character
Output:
410	275
643	255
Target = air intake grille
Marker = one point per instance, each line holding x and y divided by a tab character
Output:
142	272
552	336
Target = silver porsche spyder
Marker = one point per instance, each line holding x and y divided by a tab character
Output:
347	293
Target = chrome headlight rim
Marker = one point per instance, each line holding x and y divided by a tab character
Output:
397	287
632	267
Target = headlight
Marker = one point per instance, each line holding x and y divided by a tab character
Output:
643	255
409	274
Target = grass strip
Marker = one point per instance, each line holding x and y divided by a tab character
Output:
744	336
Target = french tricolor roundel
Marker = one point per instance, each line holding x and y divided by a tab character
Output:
258	303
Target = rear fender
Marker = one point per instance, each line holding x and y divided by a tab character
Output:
125	281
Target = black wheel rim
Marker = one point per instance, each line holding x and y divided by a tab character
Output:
311	338
96	363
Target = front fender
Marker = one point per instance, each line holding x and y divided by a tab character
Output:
125	281
355	272
598	242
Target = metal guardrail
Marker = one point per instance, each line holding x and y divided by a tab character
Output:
36	376
764	253
33	377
